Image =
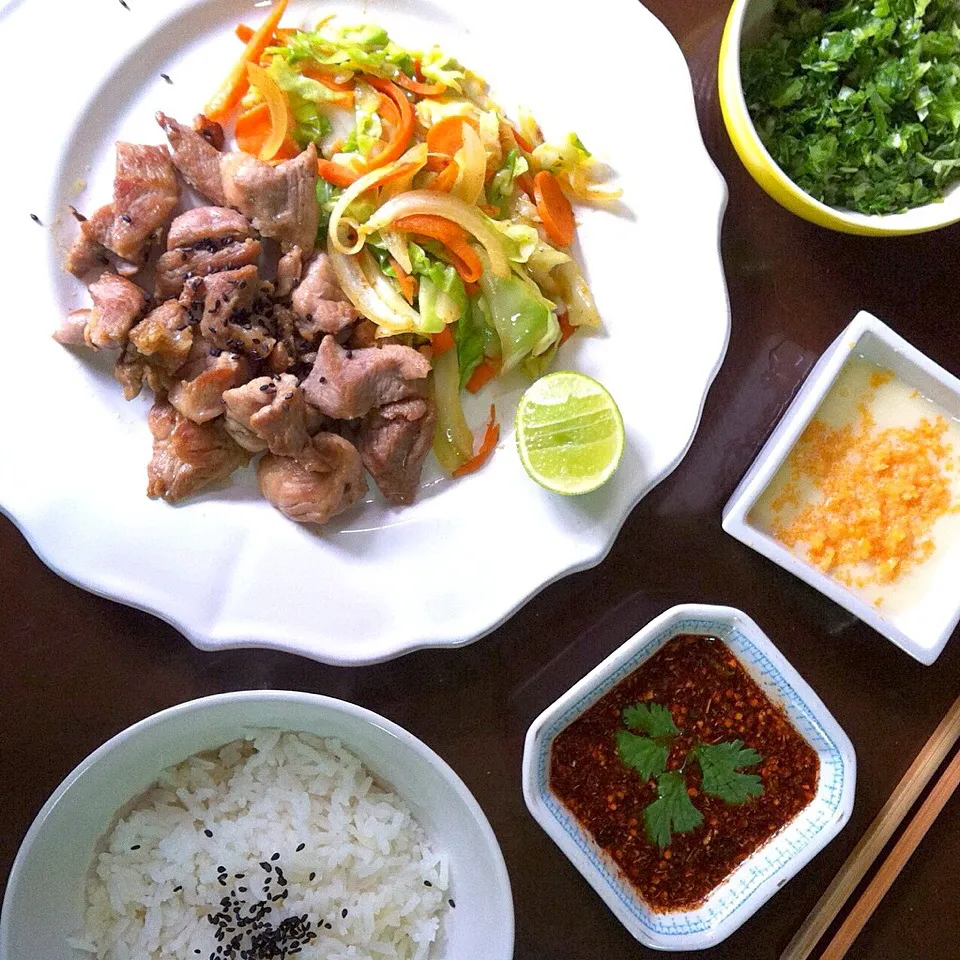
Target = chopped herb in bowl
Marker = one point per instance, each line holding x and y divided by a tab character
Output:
859	103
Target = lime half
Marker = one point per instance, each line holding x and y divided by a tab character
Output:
569	433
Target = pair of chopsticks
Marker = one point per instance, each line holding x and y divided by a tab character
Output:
879	832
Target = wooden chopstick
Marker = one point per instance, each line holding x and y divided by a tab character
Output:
878	834
891	867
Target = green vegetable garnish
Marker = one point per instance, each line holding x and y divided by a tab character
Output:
720	763
860	104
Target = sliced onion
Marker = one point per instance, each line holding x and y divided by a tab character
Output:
415	158
453	439
581	308
353	226
404	319
360	291
396	243
472	160
437	204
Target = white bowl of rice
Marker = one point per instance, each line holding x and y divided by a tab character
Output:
260	824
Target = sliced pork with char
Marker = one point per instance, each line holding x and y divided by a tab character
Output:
269	413
195	157
175	267
187	455
200	397
228	321
117	303
319	303
314	495
71	330
346	384
289	270
281	201
145	193
393	442
210	130
207	228
88	251
164	337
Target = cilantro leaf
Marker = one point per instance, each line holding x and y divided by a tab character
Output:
720	764
651	718
672	811
646	756
858	101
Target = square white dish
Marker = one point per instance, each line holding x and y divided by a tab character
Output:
925	634
765	871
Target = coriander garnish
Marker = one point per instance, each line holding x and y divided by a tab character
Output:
720	764
858	102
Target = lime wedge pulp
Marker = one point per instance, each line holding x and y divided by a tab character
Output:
569	433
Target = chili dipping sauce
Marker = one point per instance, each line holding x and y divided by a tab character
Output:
712	700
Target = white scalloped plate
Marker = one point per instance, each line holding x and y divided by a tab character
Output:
225	568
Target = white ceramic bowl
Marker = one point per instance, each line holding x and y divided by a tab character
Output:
43	904
923	632
765	871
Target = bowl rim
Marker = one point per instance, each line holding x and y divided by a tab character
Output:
778	447
754	154
200	704
625	904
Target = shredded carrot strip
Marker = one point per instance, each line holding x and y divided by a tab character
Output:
243	32
442	342
418	85
445	138
403	130
408	284
482	375
452	236
554	208
491	436
446	178
252	129
567	329
277	106
236	83
337	173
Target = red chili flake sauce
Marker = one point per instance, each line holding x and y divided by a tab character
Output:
712	699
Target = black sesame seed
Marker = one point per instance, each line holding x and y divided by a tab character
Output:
124	4
165	77
208	833
322	379
343	912
126	218
275	857
312	876
427	883
301	847
450	901
136	846
36	219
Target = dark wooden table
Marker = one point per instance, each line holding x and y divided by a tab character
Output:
77	669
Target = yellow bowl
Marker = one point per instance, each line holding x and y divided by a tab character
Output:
747	25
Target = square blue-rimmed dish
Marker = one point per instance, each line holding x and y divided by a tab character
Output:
765	871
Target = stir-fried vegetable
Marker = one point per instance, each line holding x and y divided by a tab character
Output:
444	221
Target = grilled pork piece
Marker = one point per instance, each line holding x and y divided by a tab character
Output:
269	413
71	330
207	228
210	130
314	495
227	319
319	302
175	267
345	384
195	157
199	396
288	271
116	305
393	442
186	455
281	201
164	337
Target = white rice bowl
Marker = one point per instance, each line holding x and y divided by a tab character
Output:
289	820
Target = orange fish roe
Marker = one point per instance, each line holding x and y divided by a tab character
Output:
881	491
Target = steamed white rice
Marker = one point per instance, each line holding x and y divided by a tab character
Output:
379	888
